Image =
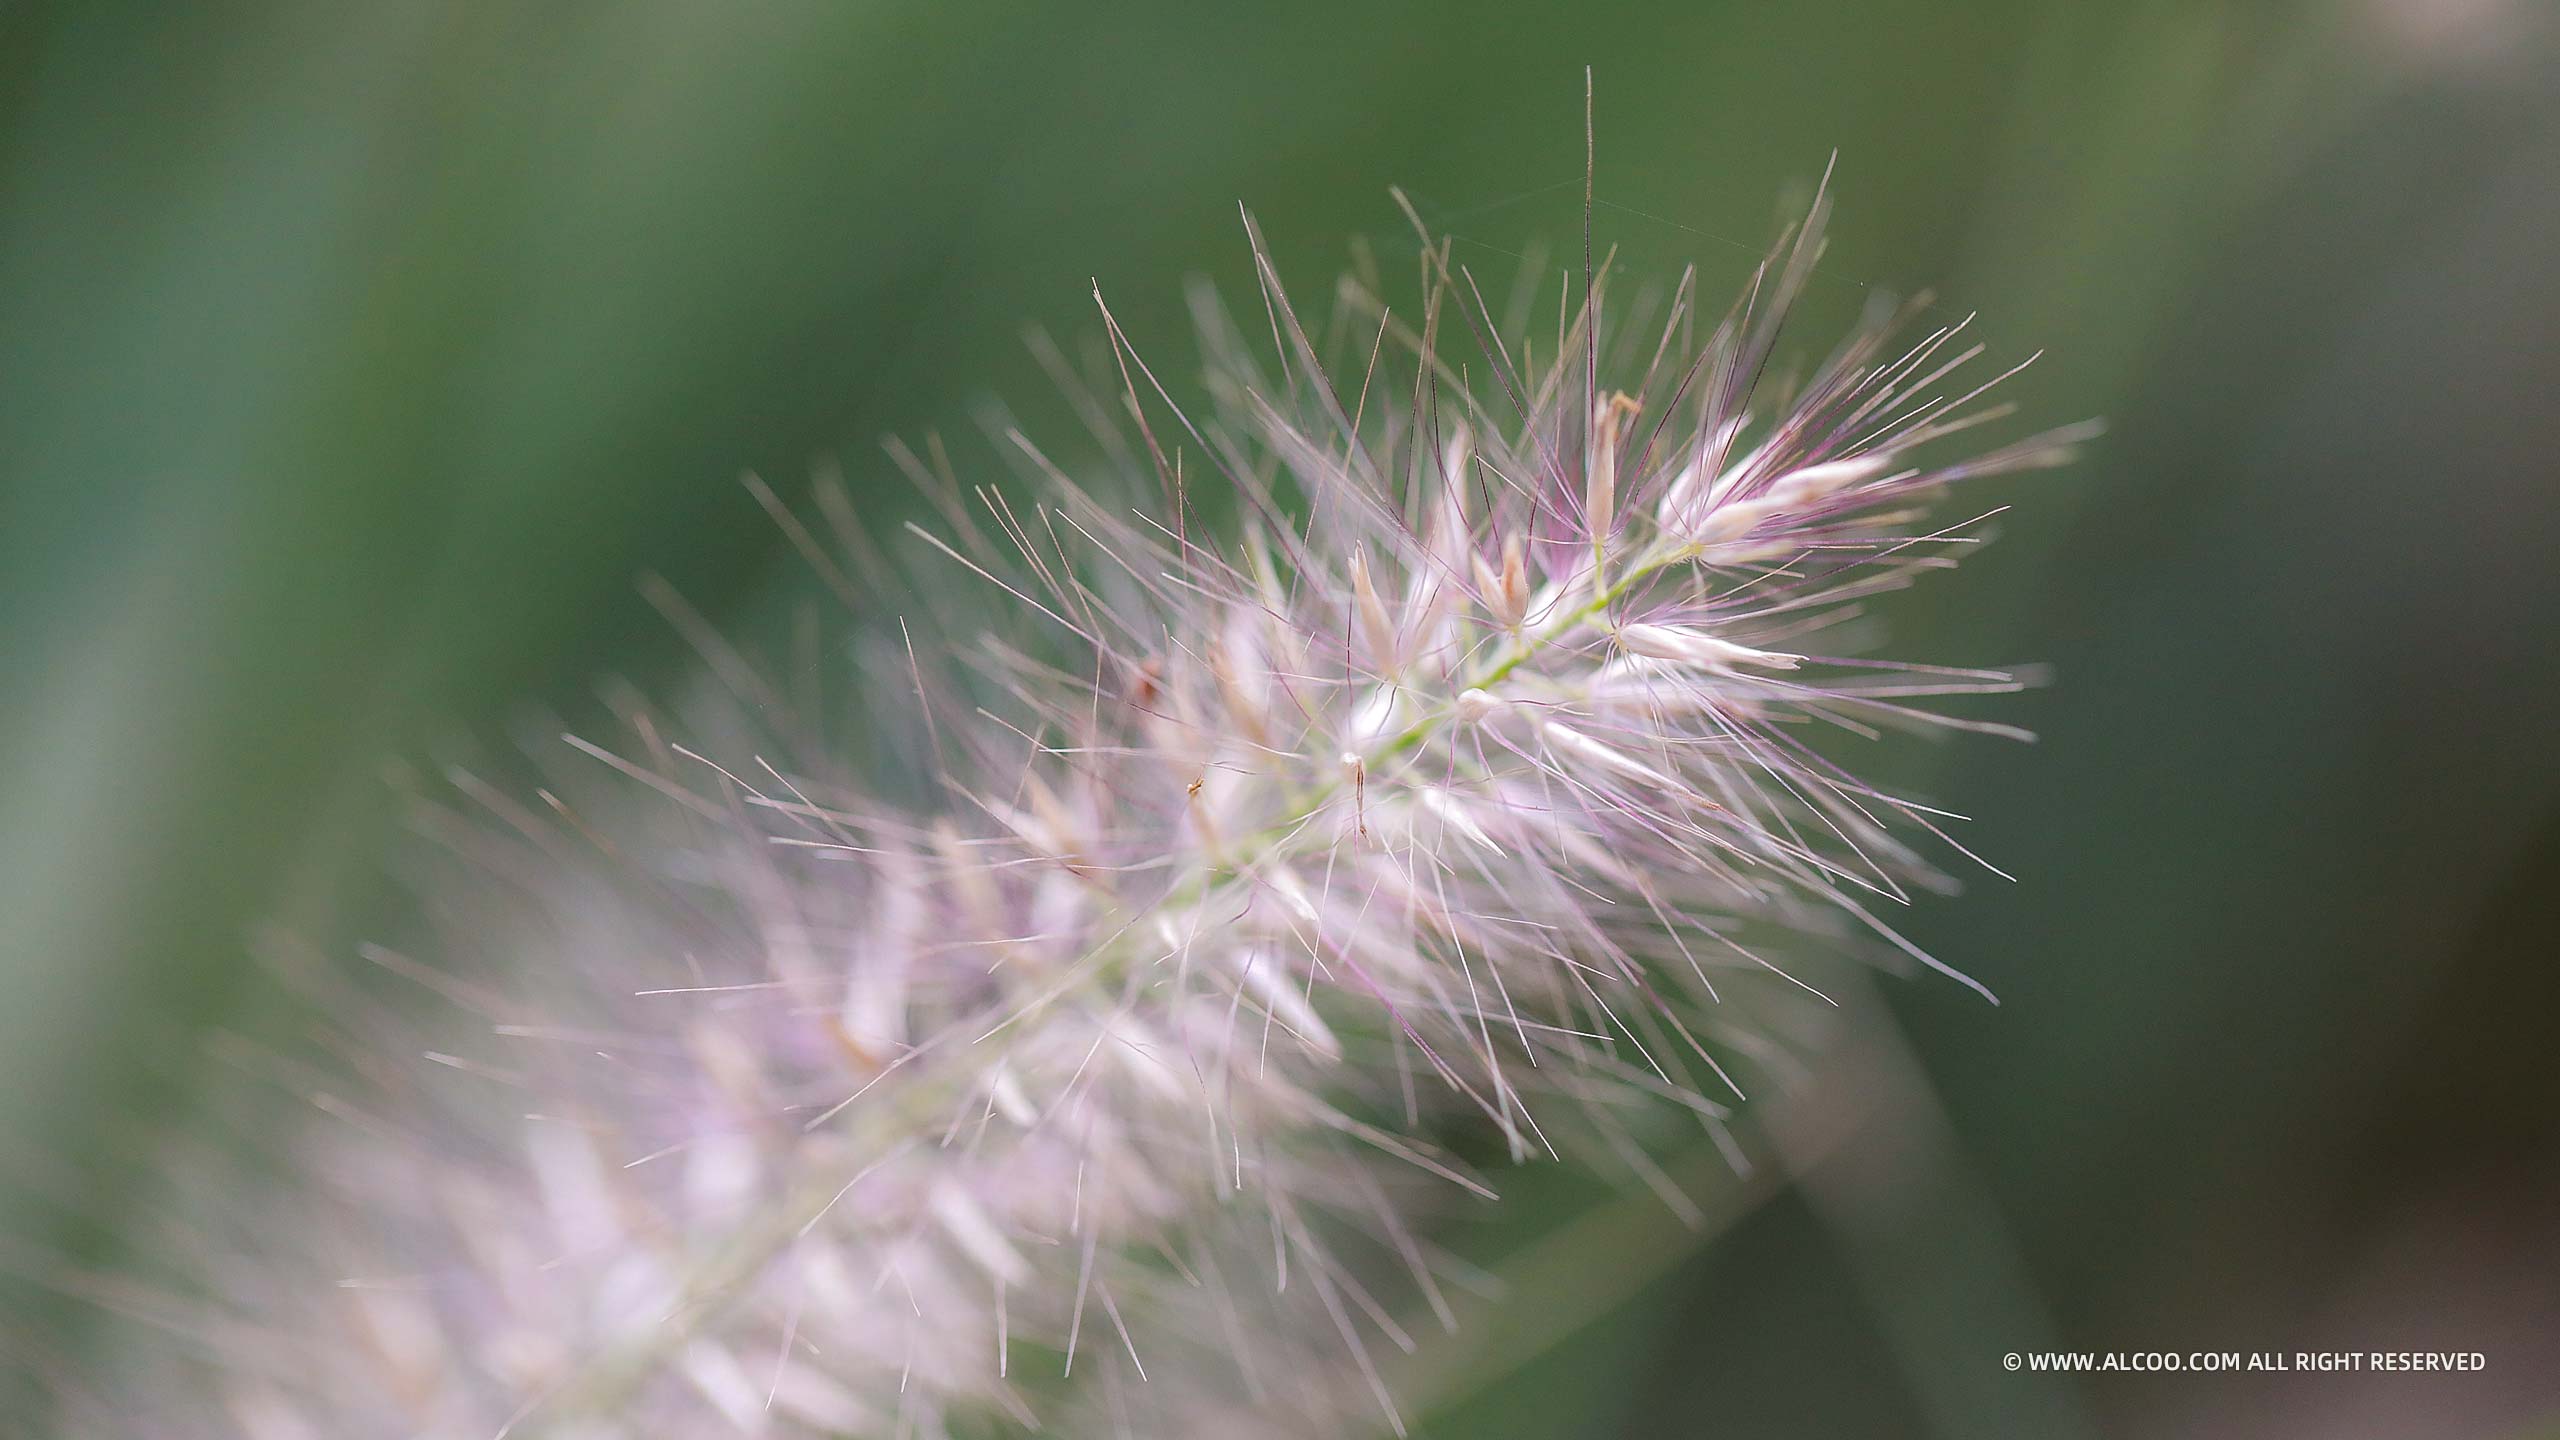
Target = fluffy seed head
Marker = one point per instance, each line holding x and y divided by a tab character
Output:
1452	738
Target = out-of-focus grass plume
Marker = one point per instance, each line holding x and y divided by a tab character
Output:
354	359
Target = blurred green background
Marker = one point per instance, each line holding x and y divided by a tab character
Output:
353	359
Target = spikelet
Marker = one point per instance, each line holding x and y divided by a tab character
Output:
1438	752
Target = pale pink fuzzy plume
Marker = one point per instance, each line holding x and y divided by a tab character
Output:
1446	736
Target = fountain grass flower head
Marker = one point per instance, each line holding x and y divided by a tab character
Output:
1437	772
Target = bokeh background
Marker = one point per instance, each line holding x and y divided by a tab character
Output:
354	360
